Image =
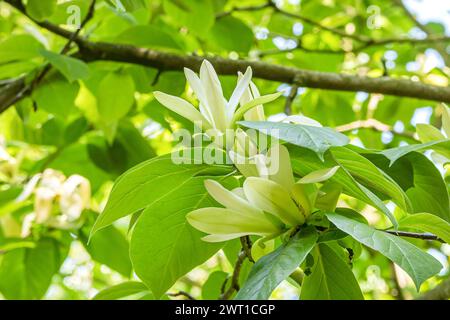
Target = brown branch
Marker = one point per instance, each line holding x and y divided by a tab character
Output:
440	292
181	294
375	125
247	247
235	277
92	51
423	236
290	99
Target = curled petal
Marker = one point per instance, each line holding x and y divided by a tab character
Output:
214	94
181	107
241	87
272	198
230	200
281	166
245	165
222	221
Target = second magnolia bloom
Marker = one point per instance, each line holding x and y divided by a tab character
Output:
265	206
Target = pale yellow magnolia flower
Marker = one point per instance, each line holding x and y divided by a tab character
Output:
265	206
57	201
214	111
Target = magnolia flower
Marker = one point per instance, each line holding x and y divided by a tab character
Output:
214	111
57	201
265	206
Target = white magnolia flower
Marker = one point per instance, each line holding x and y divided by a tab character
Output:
215	112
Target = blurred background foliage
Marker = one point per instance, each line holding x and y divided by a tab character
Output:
106	120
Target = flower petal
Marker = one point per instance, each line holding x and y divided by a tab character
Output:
272	198
305	196
257	113
241	87
214	94
197	87
182	107
244	144
230	200
222	237
226	221
280	161
245	165
254	103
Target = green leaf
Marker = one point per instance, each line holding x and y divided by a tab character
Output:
330	279
73	69
109	247
122	290
56	97
271	270
231	34
26	273
319	175
147	183
164	246
368	174
148	37
211	289
396	153
40	9
115	96
428	223
19	47
133	5
428	133
419	265
429	192
197	15
317	139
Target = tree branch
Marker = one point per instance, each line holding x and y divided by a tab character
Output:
235	277
181	294
423	236
92	51
374	125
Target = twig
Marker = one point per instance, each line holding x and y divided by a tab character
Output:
67	46
235	277
374	125
423	236
290	99
181	294
247	247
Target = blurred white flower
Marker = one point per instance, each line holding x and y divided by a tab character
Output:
58	201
